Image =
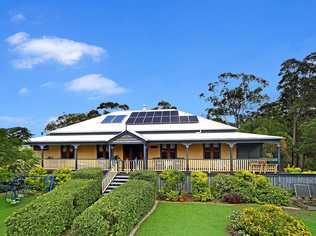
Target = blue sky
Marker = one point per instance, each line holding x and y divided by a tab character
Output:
69	57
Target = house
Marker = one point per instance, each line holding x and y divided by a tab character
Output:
155	140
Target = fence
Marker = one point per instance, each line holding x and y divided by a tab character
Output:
282	180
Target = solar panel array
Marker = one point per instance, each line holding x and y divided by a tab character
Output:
159	117
114	119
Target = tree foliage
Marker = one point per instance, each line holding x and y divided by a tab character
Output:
73	118
164	105
234	95
20	134
14	158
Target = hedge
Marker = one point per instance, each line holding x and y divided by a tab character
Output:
118	212
52	213
88	173
150	176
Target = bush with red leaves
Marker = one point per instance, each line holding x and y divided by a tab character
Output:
232	198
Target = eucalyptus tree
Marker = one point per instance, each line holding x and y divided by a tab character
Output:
164	105
297	95
234	96
73	118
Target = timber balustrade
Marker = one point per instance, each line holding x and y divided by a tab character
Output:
110	176
213	165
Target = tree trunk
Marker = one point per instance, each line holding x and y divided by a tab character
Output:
294	138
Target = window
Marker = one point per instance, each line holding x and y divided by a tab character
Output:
168	151
38	148
67	152
102	151
216	151
249	150
207	151
212	151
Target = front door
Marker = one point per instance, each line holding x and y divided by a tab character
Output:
133	152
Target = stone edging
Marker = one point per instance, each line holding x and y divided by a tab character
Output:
133	232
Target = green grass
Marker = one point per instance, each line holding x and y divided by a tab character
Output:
200	219
187	219
6	209
308	217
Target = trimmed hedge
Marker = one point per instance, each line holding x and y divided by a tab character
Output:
118	212
88	173
150	176
52	213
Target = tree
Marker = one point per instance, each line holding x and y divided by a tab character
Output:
297	95
164	105
269	126
106	107
307	143
21	134
234	95
14	159
73	118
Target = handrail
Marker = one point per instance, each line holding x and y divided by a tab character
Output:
207	165
106	181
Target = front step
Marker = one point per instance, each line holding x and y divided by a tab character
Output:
120	178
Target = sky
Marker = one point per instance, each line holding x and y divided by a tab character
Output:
69	56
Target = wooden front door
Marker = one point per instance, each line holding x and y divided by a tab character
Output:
133	152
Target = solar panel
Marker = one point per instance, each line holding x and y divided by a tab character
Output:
184	119
134	114
193	119
174	113
130	120
108	119
165	119
159	117
114	119
118	119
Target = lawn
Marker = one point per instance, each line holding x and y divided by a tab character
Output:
6	209
200	219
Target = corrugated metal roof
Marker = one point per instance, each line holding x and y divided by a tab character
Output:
95	125
161	137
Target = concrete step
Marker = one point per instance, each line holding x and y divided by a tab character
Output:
119	179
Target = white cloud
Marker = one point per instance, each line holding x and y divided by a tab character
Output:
17	38
24	91
11	121
47	84
33	51
18	18
95	83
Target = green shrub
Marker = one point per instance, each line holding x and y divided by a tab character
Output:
309	172
200	188
250	187
118	212
293	170
88	173
172	184
266	220
5	175
62	176
273	195
36	179
150	176
52	213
